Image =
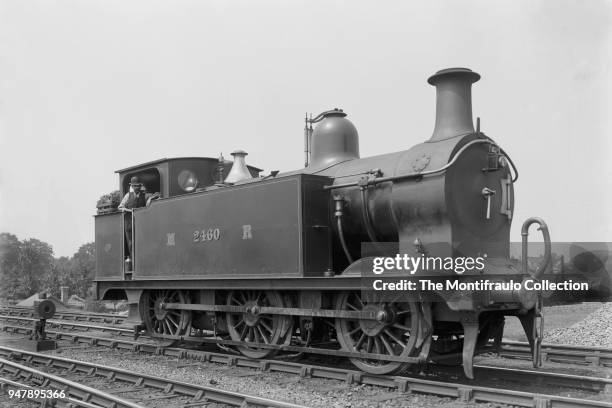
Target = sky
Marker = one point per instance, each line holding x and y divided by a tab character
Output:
89	87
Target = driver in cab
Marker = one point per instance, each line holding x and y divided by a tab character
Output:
136	197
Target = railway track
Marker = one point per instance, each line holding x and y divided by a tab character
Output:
60	389
558	353
67	315
140	388
70	325
7	385
453	386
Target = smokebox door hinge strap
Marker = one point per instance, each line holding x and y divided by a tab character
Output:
506	198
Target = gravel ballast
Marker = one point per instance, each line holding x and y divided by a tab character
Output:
312	392
594	330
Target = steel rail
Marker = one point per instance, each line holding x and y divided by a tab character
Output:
70	325
595	356
6	383
561	353
463	392
76	390
558	353
76	311
594	384
280	347
198	392
67	315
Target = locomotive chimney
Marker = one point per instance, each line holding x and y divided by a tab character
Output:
239	170
453	102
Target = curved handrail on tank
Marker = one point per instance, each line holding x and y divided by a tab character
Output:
547	246
378	180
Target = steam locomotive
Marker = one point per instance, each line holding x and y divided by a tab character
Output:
275	263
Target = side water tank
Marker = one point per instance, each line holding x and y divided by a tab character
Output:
334	140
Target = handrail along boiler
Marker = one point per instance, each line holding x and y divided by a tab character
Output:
269	264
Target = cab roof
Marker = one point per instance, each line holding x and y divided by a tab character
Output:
151	163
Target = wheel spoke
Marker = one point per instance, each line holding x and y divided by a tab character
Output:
395	339
170	320
360	341
351	306
251	336
369	345
359	300
263	336
243	333
235	300
265	325
377	345
401	326
255	335
386	344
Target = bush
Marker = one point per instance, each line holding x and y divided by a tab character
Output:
109	202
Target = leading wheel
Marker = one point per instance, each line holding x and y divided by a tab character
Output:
165	321
254	327
393	333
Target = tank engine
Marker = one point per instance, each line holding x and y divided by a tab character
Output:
276	263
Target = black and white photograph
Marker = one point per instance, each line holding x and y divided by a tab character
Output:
291	204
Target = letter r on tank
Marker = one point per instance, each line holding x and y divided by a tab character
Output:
246	232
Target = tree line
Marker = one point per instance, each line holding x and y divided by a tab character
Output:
28	266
